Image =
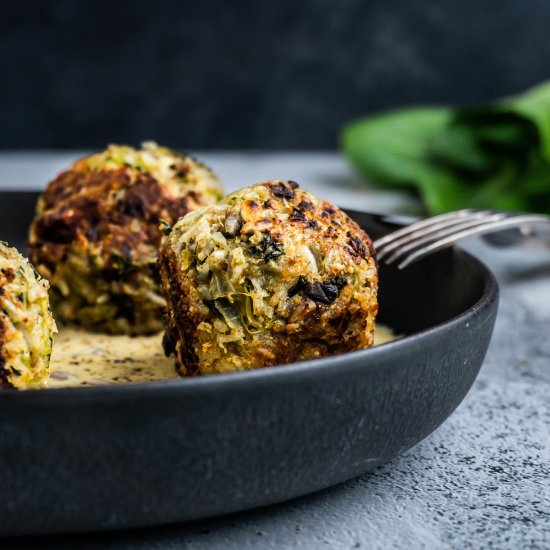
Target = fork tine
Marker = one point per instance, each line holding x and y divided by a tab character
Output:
417	234
487	227
420	224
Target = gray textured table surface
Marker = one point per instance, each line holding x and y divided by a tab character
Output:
482	480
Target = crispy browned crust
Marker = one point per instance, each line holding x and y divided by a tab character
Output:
4	373
113	216
181	320
6	275
317	329
82	206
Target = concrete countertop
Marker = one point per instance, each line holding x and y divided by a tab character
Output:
482	480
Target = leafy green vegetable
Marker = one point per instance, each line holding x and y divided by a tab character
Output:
534	106
391	148
492	156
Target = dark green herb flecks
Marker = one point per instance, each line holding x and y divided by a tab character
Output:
267	249
37	275
165	227
211	305
124	265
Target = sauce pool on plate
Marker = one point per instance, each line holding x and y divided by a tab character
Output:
82	358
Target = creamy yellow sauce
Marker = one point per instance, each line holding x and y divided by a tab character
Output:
383	335
84	359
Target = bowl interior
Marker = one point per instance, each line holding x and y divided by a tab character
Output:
427	293
423	295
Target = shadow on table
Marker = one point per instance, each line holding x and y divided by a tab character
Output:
521	274
197	532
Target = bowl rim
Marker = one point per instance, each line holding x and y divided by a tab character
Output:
292	372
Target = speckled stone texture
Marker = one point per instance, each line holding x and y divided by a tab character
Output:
480	481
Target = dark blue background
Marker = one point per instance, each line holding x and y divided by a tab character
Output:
251	74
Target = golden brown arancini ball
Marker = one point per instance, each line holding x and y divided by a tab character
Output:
269	275
96	234
26	323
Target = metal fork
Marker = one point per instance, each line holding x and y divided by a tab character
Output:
425	237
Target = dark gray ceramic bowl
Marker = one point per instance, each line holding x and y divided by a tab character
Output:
134	455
